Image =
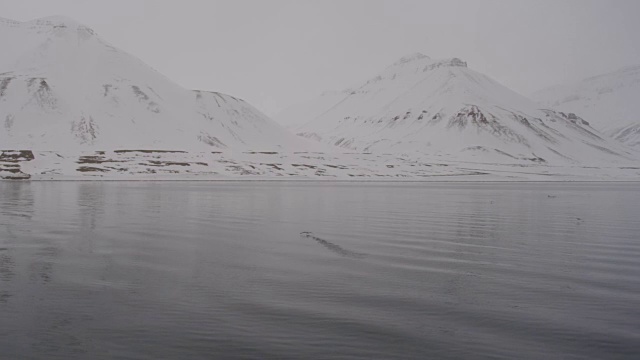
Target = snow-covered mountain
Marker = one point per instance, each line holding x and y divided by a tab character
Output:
64	88
607	101
429	106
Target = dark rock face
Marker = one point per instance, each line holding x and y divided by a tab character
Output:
10	164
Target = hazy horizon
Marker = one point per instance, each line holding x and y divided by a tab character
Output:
275	54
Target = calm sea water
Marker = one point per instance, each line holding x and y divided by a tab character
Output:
187	270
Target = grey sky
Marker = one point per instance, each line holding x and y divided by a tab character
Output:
275	53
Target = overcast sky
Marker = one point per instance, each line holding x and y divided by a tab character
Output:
275	53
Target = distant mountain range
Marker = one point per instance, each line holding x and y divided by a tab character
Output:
64	88
72	106
609	102
428	106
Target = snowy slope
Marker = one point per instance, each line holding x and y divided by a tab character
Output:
607	101
442	107
64	88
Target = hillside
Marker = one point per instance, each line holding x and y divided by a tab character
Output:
607	101
62	87
425	106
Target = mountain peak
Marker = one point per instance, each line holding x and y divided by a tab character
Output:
56	20
58	24
411	57
65	89
439	106
61	23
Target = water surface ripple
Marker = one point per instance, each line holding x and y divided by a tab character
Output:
290	270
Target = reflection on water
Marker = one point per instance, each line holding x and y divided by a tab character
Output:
319	270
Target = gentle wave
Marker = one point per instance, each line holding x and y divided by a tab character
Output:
411	271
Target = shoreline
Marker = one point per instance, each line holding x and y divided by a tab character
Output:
160	165
345	181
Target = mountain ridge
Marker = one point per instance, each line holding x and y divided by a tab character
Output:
440	106
62	87
607	100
